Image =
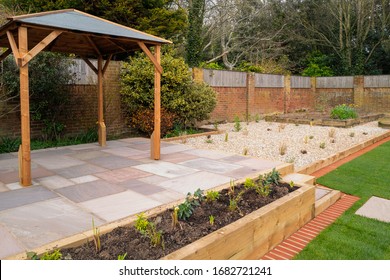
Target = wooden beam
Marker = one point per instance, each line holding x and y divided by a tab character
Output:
151	56
116	44
107	63
14	47
40	46
102	126
25	180
5	54
89	63
94	46
155	149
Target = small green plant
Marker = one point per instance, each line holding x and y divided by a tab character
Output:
272	177
352	134
187	207
263	190
208	139
234	200
212	196
245	151
343	112
237	124
257	118
249	183
9	145
96	236
211	220
306	139
281	126
332	133
282	149
122	257
226	137
175	217
322	145
304	152
156	236
291	184
311	137
32	256
55	255
141	224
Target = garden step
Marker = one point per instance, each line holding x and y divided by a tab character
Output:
325	197
299	178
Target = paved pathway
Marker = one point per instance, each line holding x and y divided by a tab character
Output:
74	184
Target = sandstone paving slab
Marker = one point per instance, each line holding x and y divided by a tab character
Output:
113	162
7	156
169	149
3	188
9	177
121	175
211	165
321	193
87	155
166	169
81	147
57	162
124	151
48	152
167	196
9	245
233	158
136	140
201	180
153	179
178	157
91	190
55	182
141	187
14	186
79	170
8	164
259	164
116	144
40	223
241	172
376	208
120	205
141	146
24	196
84	179
209	154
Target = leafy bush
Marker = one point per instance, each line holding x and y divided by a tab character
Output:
9	145
189	101
343	112
143	120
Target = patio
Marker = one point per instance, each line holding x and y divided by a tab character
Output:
73	184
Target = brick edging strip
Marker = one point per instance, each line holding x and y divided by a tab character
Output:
294	244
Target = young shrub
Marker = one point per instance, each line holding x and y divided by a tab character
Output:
141	224
322	145
211	220
175	217
55	255
245	151
272	177
249	183
226	137
155	236
122	257
352	134
189	101
263	191
257	118
306	139
343	112
212	196
237	124
332	132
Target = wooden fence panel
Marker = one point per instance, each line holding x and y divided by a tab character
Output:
379	81
335	82
300	82
219	78
269	81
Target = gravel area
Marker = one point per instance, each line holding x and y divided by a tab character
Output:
304	144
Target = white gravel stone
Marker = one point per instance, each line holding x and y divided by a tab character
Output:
264	139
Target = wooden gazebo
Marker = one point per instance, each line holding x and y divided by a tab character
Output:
87	36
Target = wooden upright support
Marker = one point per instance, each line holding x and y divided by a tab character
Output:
25	167
101	124
155	141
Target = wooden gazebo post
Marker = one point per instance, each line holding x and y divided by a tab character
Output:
24	153
155	146
101	124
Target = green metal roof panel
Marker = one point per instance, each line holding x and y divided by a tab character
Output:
78	21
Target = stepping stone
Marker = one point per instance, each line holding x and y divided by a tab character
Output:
376	208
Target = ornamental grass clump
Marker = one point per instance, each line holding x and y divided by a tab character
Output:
343	112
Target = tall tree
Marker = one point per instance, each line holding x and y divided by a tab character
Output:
194	36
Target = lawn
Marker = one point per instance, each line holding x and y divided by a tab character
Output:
352	236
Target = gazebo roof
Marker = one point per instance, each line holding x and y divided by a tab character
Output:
82	34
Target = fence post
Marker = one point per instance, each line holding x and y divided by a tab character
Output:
358	91
250	94
197	74
287	92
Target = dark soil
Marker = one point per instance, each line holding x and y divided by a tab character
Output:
137	246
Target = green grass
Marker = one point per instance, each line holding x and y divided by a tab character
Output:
352	236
